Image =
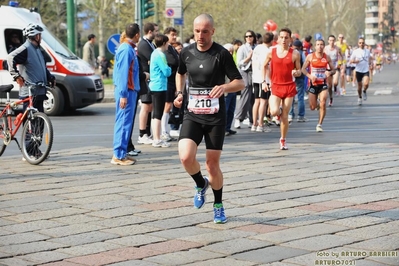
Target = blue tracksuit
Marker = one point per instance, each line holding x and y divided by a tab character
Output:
127	85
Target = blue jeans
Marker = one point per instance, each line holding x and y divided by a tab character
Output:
300	88
230	100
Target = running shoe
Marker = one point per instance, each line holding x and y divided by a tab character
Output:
302	119
219	216
144	140
343	91
364	96
166	137
359	101
259	129
319	128
283	144
160	144
199	196
331	102
253	128
237	123
267	128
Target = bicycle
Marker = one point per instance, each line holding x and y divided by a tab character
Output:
37	133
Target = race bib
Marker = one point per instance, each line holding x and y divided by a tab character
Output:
199	101
319	73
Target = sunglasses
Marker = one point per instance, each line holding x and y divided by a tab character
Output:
249	36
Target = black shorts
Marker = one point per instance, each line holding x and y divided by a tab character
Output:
258	92
170	93
146	98
214	135
360	76
317	89
158	104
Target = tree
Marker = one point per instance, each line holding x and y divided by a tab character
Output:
334	11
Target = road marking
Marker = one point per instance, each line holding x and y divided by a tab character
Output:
387	91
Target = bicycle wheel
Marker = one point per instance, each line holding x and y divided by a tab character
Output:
4	136
37	138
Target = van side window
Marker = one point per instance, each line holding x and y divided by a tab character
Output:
13	39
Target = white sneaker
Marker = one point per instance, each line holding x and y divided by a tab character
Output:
247	122
259	129
160	144
289	118
364	96
359	101
166	137
253	128
144	140
237	123
319	128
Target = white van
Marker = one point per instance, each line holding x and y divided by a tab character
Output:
77	86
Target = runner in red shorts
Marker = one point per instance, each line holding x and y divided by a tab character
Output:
285	65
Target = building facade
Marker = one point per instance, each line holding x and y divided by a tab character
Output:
375	10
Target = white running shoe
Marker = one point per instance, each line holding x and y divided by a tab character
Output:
160	144
237	123
144	140
359	101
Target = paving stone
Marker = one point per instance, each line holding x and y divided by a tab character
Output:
134	262
21	238
306	231
373	231
181	232
214	237
269	254
320	242
44	257
135	240
222	261
235	246
16	262
87	249
27	248
384	243
390	214
344	213
184	257
84	238
30	226
358	221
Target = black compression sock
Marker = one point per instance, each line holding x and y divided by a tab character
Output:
199	179
218	195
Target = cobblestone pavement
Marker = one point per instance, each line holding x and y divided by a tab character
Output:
283	208
315	204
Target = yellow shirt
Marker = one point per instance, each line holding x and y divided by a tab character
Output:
342	47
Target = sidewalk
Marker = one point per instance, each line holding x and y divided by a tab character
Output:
310	205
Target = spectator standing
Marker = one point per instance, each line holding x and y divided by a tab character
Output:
300	87
261	97
144	51
88	51
172	58
31	66
230	99
244	62
127	87
159	73
104	66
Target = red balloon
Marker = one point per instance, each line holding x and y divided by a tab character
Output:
271	25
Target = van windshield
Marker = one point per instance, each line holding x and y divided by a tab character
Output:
56	45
